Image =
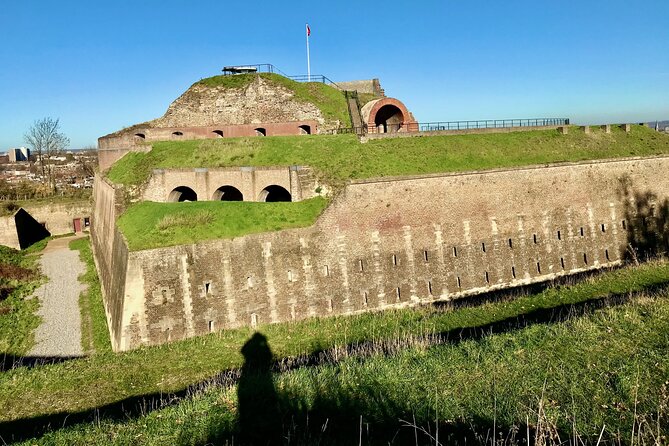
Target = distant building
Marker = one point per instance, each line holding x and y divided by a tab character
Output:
18	155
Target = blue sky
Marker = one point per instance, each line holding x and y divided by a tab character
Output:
100	66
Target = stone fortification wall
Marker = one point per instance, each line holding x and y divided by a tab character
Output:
111	254
57	218
396	243
250	181
369	86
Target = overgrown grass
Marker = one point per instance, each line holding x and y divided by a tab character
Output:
337	158
150	225
604	372
18	315
8	208
85	384
94	330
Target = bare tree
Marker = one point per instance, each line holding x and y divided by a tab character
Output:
46	140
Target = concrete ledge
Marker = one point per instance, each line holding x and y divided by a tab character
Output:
373	136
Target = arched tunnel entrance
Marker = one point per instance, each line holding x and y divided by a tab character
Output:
228	193
274	193
182	193
389	119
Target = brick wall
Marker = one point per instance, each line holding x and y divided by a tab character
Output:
397	242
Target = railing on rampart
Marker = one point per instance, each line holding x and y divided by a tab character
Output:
456	125
269	68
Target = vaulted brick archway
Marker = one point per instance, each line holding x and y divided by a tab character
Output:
388	115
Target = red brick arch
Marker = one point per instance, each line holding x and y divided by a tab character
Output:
405	121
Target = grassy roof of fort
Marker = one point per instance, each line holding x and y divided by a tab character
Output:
338	158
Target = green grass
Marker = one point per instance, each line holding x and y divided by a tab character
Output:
19	277
8	208
328	99
94	330
105	378
338	158
149	225
606	369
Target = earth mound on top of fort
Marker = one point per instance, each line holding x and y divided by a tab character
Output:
253	99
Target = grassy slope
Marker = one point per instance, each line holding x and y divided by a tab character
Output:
328	99
338	158
105	378
94	330
606	368
18	318
149	225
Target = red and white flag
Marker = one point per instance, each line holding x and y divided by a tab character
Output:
308	30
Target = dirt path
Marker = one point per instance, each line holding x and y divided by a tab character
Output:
60	331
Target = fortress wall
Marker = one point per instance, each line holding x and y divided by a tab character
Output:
110	253
113	147
8	234
397	243
250	181
57	218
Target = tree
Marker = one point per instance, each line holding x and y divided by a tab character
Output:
46	140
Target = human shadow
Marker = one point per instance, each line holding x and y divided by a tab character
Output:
258	411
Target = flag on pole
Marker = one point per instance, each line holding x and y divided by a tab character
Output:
308	30
308	57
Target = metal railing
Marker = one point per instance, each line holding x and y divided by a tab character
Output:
490	124
456	125
269	68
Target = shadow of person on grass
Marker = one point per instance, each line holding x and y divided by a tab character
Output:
258	411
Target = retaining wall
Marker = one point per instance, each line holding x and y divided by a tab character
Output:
396	242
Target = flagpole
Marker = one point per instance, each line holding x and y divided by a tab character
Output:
308	58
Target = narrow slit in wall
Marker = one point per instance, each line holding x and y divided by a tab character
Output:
365	299
207	287
534	236
582	233
361	266
603	227
483	246
211	326
487	277
429	287
398	291
539	267
425	255
562	262
394	259
510	243
606	253
455	251
326	271
459	282
585	258
513	272
624	224
559	234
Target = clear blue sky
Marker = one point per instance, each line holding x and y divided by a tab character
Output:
100	66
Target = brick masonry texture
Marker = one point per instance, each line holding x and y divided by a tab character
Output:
387	243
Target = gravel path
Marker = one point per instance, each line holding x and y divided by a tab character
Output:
60	331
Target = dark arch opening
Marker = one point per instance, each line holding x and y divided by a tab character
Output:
261	131
182	193
140	136
275	193
219	133
228	193
177	134
389	119
305	129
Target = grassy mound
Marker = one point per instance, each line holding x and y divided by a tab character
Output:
338	158
328	99
150	225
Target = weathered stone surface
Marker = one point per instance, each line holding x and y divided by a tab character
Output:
259	102
385	243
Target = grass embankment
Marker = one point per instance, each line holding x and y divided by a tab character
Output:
81	385
601	373
338	158
149	225
328	99
94	330
8	208
18	279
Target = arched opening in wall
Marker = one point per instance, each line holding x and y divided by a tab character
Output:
177	134
305	129
260	131
389	119
218	133
228	193
140	137
182	193
274	193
